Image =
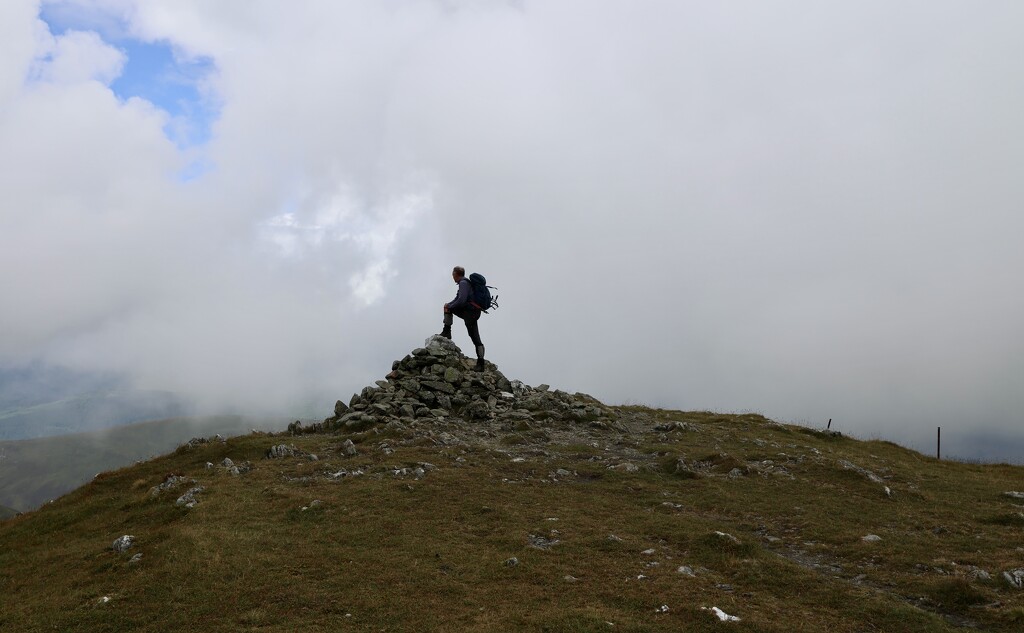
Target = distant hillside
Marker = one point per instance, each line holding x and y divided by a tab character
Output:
88	412
443	499
6	513
37	470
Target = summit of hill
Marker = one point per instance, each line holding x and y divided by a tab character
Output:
445	499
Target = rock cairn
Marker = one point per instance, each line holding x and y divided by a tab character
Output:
438	382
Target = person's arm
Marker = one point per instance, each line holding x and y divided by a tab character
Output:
462	298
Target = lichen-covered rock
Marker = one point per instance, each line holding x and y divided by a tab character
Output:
477	410
169	483
441	346
282	450
452	375
1015	578
438	385
189	499
123	543
194	442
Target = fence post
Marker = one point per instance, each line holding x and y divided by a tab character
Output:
938	444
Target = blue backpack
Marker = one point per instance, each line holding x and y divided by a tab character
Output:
482	293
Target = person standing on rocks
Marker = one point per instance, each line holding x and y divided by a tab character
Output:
463	307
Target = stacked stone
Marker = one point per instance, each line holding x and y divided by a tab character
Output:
437	381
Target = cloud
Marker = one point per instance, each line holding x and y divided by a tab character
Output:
76	57
809	212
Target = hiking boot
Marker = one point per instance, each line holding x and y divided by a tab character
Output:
479	358
446	330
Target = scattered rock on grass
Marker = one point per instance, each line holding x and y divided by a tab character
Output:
240	469
668	427
721	615
169	483
189	499
626	467
1015	577
285	450
348	448
341	474
281	450
512	562
542	542
863	471
123	543
871	538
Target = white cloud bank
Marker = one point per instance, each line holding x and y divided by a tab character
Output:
806	210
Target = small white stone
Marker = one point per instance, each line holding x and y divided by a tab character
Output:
871	538
722	615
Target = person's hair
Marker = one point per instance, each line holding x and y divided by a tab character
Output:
459	270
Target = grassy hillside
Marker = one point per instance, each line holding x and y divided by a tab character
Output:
599	520
35	471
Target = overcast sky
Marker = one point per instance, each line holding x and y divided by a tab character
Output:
809	210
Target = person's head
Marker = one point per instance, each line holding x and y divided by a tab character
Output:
458	273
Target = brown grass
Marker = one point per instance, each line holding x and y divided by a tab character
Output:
382	552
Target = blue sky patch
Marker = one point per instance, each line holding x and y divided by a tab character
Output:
152	72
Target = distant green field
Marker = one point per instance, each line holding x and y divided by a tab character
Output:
35	471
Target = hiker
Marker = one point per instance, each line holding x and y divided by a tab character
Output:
463	307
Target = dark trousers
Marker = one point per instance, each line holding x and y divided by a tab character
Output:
470	315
